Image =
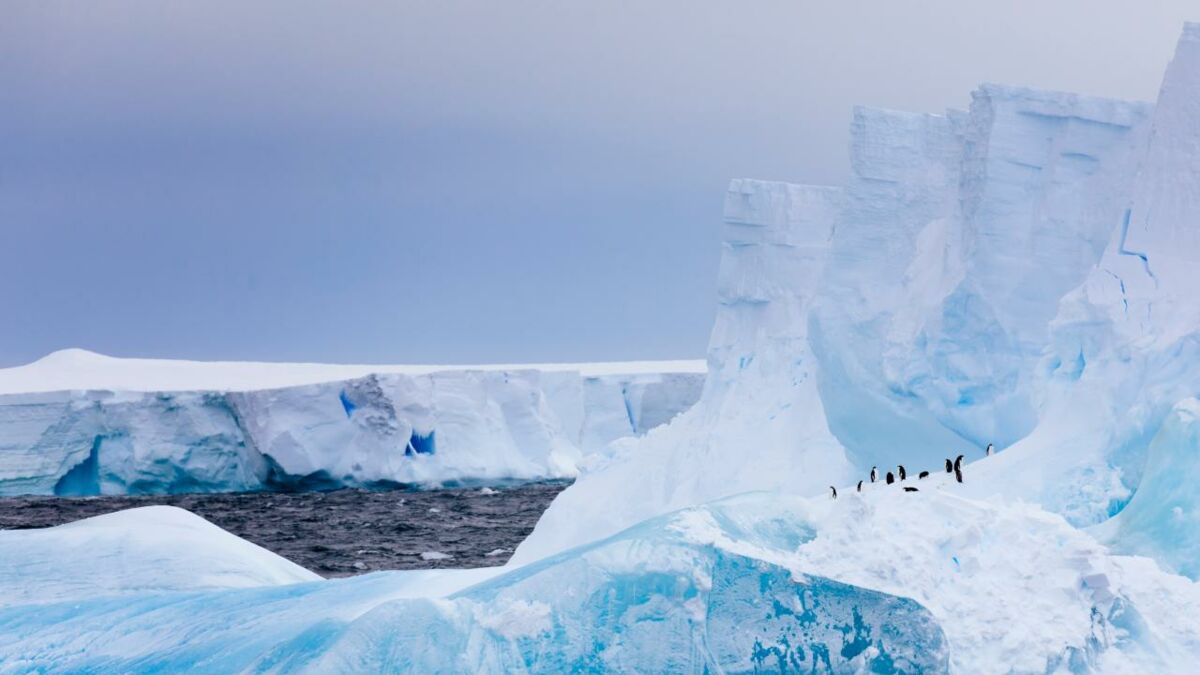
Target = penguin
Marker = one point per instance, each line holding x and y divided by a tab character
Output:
923	474
911	489
958	463
890	479
958	474
949	466
875	474
903	473
834	491
988	452
860	486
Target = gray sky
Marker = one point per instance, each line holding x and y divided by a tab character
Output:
456	181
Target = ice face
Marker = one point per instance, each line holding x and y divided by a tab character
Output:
1163	518
1124	348
960	235
381	429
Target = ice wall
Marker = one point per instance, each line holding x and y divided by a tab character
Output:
383	429
959	236
760	423
1125	345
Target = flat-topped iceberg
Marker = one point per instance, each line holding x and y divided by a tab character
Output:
413	426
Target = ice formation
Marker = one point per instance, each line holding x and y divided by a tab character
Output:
1019	273
147	549
884	581
408	427
705	590
989	275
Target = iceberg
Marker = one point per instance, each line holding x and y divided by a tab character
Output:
405	427
701	591
883	581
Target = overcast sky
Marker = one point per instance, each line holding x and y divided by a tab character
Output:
456	182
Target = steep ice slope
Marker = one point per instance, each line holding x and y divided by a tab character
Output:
141	550
666	596
1126	343
959	235
760	422
422	429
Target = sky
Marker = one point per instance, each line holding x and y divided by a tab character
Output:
456	182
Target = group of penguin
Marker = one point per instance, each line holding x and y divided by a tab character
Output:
954	467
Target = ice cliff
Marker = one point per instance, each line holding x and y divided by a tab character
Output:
1018	273
389	428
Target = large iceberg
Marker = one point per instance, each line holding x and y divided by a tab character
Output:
986	276
405	427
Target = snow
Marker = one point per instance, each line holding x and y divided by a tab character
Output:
435	555
79	369
136	551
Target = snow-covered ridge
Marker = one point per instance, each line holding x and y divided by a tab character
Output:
110	431
80	369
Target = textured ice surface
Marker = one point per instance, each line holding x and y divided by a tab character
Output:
706	590
1163	518
434	428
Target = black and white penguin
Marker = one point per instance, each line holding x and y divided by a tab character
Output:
911	489
949	465
890	478
834	490
988	452
903	473
923	474
860	486
958	463
875	474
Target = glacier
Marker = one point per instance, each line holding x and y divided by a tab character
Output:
1018	273
405	427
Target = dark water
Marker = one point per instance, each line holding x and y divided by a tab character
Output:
342	532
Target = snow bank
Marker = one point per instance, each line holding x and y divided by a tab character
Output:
437	428
142	550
